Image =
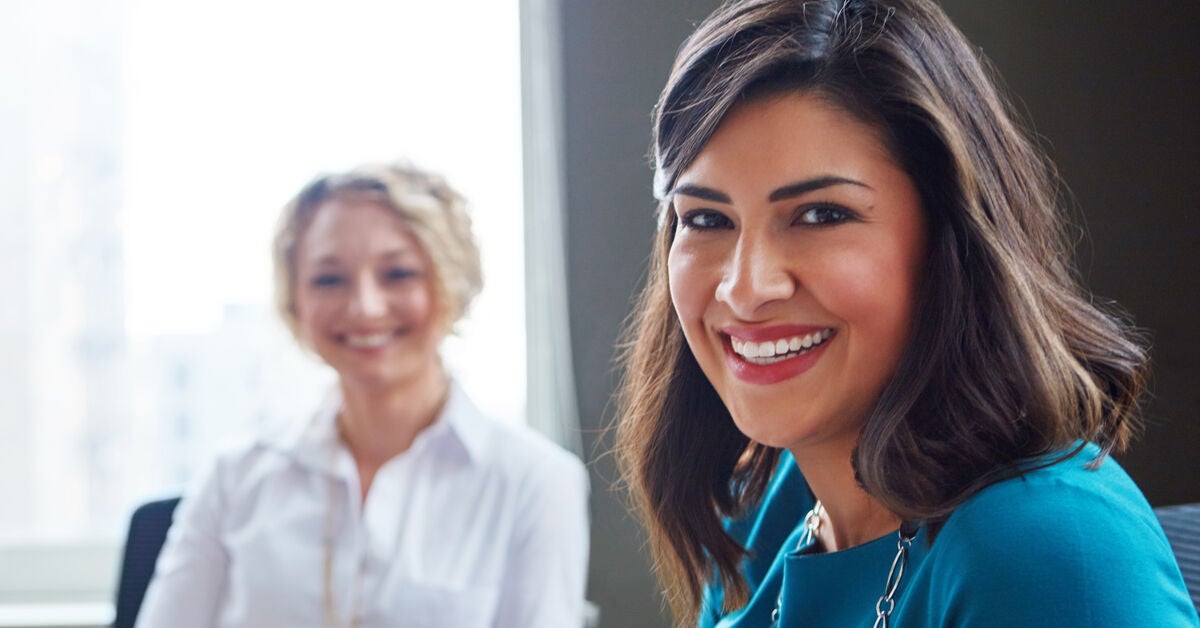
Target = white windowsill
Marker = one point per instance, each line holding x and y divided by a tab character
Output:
66	615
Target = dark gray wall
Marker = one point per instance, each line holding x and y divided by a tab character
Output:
1112	87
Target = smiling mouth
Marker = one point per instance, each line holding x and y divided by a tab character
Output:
369	341
773	351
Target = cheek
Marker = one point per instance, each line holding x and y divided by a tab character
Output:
872	288
421	303
418	304
874	291
686	280
310	311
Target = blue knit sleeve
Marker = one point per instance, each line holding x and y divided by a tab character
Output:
1063	547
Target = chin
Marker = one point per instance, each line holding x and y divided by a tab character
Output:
789	430
369	378
772	433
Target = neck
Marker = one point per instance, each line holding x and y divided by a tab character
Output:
851	516
380	423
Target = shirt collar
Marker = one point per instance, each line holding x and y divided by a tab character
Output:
465	422
314	442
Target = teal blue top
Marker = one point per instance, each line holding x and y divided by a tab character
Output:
1060	546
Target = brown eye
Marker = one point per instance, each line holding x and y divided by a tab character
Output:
825	215
705	219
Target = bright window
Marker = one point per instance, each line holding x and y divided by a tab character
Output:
147	147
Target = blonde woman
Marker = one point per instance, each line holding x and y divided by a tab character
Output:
398	502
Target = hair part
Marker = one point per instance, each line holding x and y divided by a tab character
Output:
1015	360
434	213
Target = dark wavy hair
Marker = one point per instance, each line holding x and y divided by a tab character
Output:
1010	357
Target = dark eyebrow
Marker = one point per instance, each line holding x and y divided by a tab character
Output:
700	191
791	190
801	188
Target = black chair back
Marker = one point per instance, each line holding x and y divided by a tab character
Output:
1182	525
147	531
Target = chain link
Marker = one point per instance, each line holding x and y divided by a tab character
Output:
887	601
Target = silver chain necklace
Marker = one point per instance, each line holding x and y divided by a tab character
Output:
887	602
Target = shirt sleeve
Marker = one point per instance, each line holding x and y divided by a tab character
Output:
1065	562
547	567
189	577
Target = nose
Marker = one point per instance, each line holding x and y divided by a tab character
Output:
757	274
368	299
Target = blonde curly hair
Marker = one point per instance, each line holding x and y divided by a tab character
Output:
435	213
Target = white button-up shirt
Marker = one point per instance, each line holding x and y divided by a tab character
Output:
477	524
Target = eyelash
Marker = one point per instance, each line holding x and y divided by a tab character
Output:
840	214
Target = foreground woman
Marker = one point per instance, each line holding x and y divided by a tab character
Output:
398	503
863	385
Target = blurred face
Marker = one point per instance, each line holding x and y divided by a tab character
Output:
795	268
364	295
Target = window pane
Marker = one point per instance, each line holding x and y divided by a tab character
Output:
148	147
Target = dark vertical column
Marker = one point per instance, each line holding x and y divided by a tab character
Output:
616	56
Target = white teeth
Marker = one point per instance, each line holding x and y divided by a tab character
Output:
782	349
368	341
